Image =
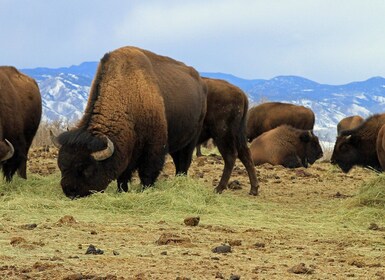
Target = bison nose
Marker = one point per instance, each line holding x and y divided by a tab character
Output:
70	192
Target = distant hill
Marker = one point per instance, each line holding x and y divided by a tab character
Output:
65	92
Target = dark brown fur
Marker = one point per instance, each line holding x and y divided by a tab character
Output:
147	105
269	115
357	146
20	114
287	146
349	123
225	122
380	147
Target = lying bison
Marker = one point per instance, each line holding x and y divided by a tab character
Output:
141	106
225	123
20	113
269	115
357	146
349	123
287	146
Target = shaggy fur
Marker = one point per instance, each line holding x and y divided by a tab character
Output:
147	105
380	147
357	146
349	123
225	122
287	146
269	115
20	113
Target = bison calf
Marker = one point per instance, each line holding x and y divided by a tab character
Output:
287	146
225	122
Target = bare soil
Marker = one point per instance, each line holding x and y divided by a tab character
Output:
300	248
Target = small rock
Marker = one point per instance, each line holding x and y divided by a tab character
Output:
17	240
92	250
223	249
234	277
301	269
219	275
116	253
235	242
29	226
191	221
259	245
93	232
235	185
67	220
164	253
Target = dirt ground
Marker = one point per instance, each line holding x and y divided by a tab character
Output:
195	249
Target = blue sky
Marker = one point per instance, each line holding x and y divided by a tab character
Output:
332	42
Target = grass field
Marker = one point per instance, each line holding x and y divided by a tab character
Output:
330	222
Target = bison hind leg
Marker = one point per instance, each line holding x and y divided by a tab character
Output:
245	157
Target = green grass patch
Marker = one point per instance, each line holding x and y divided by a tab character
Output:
173	199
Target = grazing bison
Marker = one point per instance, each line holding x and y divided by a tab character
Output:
357	146
20	113
349	123
141	106
225	123
287	146
269	115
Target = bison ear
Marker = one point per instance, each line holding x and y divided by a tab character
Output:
305	136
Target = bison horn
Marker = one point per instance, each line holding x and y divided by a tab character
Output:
54	140
10	152
348	137
106	153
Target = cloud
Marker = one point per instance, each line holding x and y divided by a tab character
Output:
328	41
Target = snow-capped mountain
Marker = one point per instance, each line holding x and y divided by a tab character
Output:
65	92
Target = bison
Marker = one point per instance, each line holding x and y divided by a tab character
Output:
20	114
269	115
141	106
349	123
287	146
357	146
225	123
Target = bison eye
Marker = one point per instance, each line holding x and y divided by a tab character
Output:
88	172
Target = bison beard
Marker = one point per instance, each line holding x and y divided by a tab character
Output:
142	104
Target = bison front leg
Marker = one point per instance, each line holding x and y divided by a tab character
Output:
182	158
151	164
123	180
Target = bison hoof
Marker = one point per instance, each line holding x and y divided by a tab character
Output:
253	192
218	190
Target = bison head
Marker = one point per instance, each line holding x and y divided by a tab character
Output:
346	152
313	147
84	162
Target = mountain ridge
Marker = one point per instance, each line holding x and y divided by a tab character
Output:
65	92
